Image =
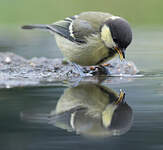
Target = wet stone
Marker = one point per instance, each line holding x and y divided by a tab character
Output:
16	71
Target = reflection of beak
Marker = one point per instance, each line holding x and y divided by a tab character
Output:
120	52
121	97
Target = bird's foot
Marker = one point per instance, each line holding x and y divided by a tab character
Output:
80	70
93	70
100	70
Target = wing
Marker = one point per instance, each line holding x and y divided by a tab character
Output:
73	29
76	28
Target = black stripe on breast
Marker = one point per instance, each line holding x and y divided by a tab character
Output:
111	53
112	97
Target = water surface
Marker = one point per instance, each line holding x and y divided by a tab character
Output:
24	121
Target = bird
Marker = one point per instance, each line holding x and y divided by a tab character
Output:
89	109
92	109
90	38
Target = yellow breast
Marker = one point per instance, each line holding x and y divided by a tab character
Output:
84	54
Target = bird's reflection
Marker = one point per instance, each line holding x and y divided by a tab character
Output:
92	110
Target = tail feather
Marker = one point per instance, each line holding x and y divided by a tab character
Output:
53	28
37	26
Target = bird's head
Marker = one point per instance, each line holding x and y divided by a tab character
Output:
116	34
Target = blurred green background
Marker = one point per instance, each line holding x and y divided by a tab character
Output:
138	12
145	17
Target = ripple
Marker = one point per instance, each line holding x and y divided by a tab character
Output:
16	71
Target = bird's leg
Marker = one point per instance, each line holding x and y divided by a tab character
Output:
80	70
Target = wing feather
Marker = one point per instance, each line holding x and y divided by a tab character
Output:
76	28
73	29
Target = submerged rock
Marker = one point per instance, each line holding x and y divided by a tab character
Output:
16	71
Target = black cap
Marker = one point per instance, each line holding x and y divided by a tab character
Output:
121	31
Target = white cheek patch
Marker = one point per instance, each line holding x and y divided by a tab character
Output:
107	37
107	115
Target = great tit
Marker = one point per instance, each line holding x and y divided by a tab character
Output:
90	38
89	109
92	110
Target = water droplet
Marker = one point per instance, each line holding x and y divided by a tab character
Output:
8	60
